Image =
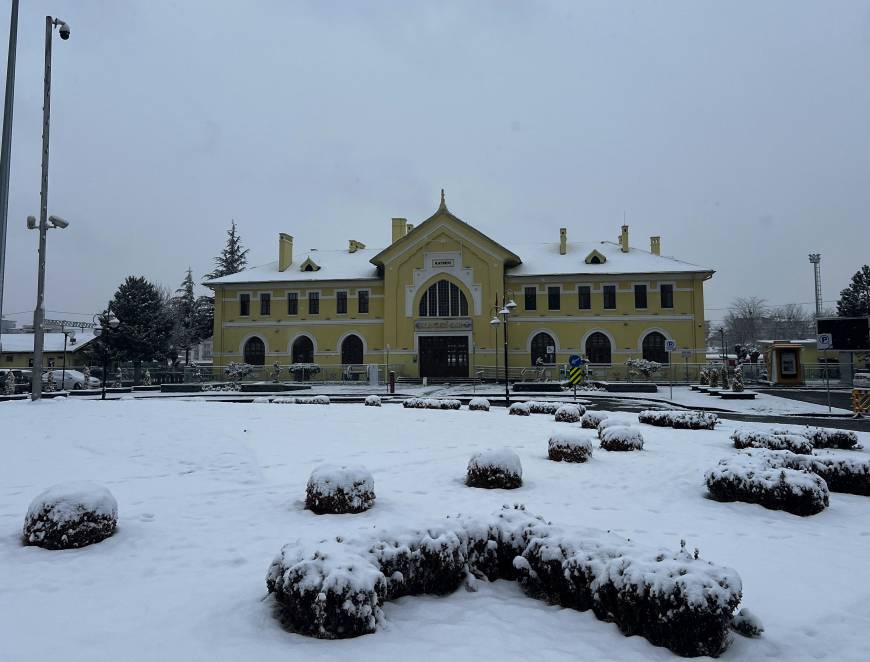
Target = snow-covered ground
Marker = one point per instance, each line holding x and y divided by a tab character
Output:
208	493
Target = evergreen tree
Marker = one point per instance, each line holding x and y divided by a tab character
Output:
855	299
146	323
233	258
192	317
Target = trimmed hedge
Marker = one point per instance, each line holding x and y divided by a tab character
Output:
495	469
431	403
748	478
307	400
684	420
841	472
373	401
70	515
621	438
337	490
543	407
335	588
830	438
569	446
478	404
775	442
520	409
569	414
591	419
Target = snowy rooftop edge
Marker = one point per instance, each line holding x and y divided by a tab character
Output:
53	342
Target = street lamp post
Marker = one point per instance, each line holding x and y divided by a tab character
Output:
112	323
44	219
507	308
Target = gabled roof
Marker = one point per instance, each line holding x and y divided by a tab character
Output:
334	265
52	342
442	213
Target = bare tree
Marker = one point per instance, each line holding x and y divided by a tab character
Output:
745	320
791	322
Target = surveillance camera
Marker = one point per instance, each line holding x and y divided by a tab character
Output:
58	222
31	222
64	31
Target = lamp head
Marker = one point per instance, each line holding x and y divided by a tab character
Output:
31	222
510	305
114	322
58	222
494	321
62	29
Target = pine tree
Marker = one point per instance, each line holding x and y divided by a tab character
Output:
855	299
192	317
233	258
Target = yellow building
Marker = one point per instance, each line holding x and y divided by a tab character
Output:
425	302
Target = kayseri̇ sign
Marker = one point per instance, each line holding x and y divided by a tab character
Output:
444	262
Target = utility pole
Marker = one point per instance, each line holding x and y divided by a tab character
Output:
816	259
6	149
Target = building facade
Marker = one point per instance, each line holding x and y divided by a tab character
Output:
17	349
424	303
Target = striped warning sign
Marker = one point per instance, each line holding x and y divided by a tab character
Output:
575	376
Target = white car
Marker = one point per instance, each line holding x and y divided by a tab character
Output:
71	380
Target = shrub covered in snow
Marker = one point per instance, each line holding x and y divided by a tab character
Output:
71	515
313	400
569	446
842	473
621	438
373	401
830	438
570	413
431	403
776	442
749	478
543	407
520	409
611	422
684	420
747	624
336	588
491	469
591	419
339	489
478	404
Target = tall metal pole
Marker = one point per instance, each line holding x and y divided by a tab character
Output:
6	149
507	397
39	312
816	259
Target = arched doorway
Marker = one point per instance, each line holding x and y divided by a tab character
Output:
544	348
598	348
254	352
303	350
352	350
654	348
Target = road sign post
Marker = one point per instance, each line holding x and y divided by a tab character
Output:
824	342
670	348
576	372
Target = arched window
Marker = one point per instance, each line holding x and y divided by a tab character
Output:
598	348
443	299
255	352
543	347
352	351
654	348
303	350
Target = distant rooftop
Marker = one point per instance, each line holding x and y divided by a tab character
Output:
53	342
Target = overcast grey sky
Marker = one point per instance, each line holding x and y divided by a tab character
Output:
736	130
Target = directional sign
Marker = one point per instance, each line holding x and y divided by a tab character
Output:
824	341
575	376
670	345
575	360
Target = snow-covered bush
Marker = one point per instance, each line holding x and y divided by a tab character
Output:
71	515
543	407
642	367
775	442
50	384
842	473
9	383
327	589
746	477
276	371
238	371
570	413
704	377
681	420
492	469
611	422
478	404
340	489
312	400
747	624
336	588
830	438
520	409
431	403
714	377
373	401
86	371
737	382
146	379
591	419
621	438
569	446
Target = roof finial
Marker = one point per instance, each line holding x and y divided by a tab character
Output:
443	205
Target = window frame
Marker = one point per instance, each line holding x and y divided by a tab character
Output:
295	298
313	295
558	294
672	287
604	289
530	293
431	304
244	302
368	301
338	299
265	298
588	288
641	289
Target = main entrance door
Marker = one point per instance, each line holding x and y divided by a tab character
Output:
443	356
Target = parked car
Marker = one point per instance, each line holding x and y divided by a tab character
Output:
22	379
70	380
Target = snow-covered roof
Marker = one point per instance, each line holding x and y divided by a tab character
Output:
538	259
544	259
53	342
334	265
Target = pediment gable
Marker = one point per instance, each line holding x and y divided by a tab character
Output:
595	257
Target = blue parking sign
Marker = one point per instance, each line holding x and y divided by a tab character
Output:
575	361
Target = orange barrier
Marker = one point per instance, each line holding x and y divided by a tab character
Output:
861	401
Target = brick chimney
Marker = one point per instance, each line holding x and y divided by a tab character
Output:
623	239
563	241
400	228
655	245
285	251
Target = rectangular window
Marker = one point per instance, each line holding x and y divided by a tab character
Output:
667	292
531	294
314	303
584	297
362	301
640	296
292	303
244	305
265	303
341	302
554	298
609	297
